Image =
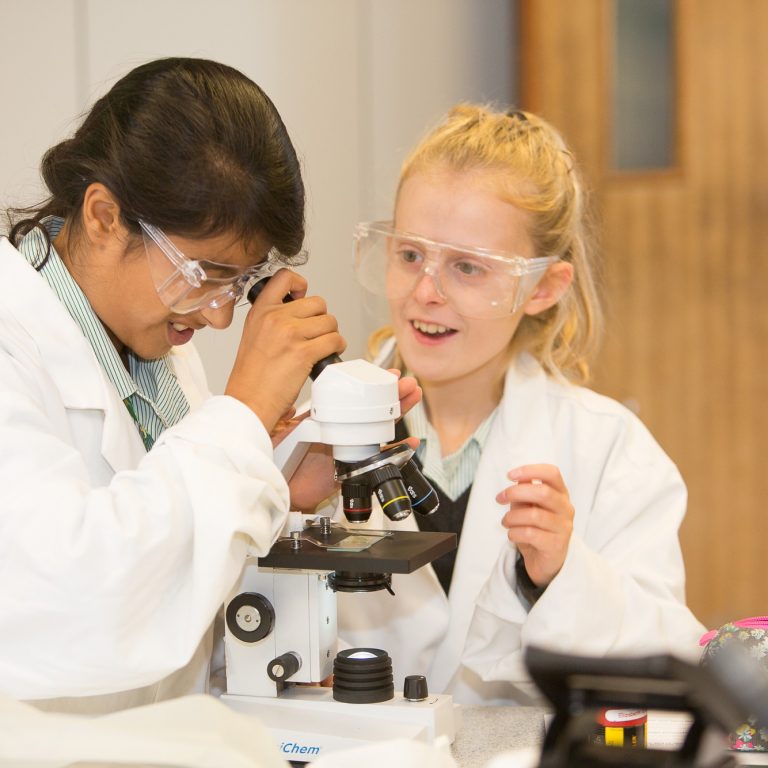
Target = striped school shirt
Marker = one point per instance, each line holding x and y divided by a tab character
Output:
148	388
453	473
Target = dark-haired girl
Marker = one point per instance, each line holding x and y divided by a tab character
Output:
128	494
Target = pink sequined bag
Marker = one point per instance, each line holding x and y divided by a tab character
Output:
752	635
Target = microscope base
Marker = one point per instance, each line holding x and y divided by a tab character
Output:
307	722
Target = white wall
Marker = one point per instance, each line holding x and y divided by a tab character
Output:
356	81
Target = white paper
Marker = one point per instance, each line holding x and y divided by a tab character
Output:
190	732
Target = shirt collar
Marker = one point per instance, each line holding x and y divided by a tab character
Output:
453	473
153	380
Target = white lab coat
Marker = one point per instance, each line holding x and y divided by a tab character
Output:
114	561
620	590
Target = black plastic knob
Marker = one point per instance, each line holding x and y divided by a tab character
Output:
415	688
284	666
250	617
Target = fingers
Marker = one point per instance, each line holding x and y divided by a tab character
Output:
539	520
409	391
534	492
537	498
281	342
532	538
546	473
286	424
281	284
411	442
289	414
542	520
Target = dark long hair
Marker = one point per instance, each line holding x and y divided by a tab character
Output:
189	145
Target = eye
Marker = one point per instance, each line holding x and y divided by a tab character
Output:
216	271
467	266
408	255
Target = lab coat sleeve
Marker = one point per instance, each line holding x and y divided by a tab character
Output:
111	588
621	588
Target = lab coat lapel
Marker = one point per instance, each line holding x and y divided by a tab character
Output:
67	356
521	434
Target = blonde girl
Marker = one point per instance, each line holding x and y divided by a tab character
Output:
567	510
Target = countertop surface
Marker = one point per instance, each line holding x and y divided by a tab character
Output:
488	731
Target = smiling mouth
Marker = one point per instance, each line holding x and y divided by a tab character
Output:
181	327
433	330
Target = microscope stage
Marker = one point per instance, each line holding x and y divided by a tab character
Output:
401	552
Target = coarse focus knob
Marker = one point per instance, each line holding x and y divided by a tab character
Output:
250	617
415	688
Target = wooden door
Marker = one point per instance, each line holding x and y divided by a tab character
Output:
686	266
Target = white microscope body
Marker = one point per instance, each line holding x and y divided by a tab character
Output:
281	620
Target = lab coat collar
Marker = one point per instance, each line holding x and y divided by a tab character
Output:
65	352
483	536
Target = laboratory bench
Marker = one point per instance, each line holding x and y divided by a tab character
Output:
489	731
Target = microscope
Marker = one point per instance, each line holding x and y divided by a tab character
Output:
280	622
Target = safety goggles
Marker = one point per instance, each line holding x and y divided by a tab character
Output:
186	285
476	282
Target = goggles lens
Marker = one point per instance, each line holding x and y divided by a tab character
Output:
186	285
476	282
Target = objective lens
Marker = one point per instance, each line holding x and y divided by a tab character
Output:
356	499
390	491
423	497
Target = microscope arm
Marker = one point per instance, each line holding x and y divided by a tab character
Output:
290	451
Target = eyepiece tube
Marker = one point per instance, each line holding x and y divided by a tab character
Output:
423	497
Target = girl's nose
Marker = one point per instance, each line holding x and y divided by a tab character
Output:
219	318
427	289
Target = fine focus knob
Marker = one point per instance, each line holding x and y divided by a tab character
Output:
415	688
284	666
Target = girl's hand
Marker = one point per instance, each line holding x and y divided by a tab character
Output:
280	344
408	390
539	519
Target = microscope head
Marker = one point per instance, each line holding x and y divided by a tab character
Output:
354	408
356	403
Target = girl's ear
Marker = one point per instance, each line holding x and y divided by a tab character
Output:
550	288
101	213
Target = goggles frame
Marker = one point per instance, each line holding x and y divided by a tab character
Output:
193	274
512	264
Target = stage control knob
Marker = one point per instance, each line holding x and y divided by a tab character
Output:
284	666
